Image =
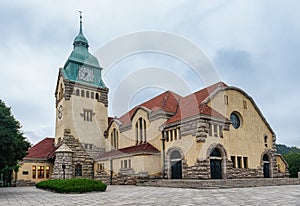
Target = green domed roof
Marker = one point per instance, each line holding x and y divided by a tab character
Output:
81	57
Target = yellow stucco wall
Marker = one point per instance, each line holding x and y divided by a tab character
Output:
281	164
140	163
90	132
248	140
28	167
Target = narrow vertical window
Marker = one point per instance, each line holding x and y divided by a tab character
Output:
245	104
178	133
245	161
216	130
233	161
77	92
88	115
82	93
137	133
239	162
87	94
266	140
115	139
78	170
47	171
210	129
40	171
141	135
34	172
221	131
92	95
97	96
145	136
226	99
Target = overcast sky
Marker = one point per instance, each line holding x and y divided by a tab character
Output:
254	45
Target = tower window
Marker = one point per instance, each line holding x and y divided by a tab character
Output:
77	92
87	115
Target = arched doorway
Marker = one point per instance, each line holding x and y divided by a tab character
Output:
266	166
176	165
216	164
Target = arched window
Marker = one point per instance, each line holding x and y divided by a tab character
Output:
114	139
77	92
82	93
140	131
78	170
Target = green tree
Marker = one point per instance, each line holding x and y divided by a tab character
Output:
13	144
293	159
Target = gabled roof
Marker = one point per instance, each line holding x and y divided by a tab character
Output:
43	150
145	148
192	104
167	101
180	107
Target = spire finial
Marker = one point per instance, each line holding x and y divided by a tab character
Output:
80	30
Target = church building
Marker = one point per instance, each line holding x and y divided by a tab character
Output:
217	132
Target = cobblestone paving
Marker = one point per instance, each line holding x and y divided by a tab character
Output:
133	195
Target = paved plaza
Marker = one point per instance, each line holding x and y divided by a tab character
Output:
134	195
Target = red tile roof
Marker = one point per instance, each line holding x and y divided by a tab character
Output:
181	107
167	101
144	148
43	150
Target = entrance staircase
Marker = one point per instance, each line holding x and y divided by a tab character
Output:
221	184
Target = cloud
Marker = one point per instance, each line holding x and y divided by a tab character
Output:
255	45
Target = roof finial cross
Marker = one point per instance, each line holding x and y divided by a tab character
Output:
80	21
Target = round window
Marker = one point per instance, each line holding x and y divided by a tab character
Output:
235	120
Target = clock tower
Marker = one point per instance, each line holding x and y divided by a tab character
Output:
81	97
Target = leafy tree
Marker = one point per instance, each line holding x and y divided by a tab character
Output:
283	149
13	144
293	159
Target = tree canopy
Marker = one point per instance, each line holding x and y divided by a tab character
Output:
13	144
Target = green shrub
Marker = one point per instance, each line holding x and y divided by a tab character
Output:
78	185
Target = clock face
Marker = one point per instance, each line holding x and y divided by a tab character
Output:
59	111
86	74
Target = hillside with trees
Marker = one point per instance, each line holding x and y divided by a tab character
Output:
292	156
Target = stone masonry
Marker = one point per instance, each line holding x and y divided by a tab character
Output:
76	155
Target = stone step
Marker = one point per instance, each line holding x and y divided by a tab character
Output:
228	183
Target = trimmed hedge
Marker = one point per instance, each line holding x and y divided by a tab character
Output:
77	185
